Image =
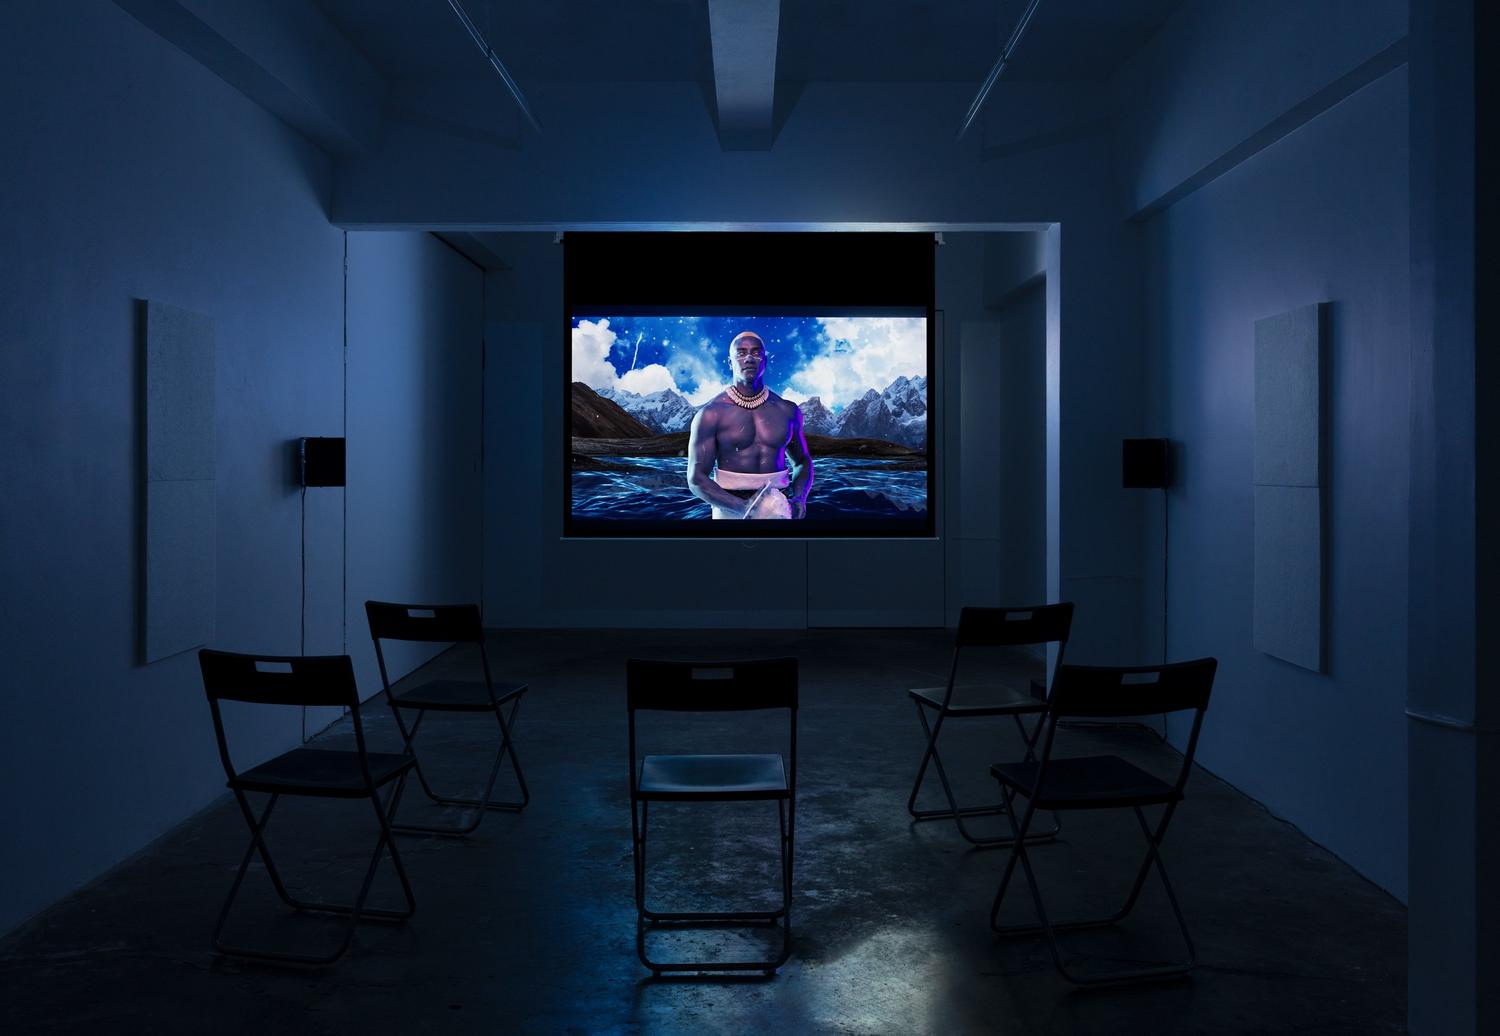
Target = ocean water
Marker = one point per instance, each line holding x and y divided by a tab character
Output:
656	488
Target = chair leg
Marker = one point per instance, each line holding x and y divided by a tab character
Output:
478	805
647	918
1166	969
1017	853
353	911
955	812
787	818
1031	738
1153	849
638	843
257	845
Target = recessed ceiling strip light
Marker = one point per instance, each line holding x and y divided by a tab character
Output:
495	63
1010	45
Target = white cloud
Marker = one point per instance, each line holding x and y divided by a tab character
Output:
696	369
648	379
879	350
792	395
592	342
591	345
705	391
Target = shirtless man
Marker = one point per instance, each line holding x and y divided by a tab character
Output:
749	432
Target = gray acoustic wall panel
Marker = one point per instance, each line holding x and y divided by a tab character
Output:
1288	385
178	596
1288	595
179	393
179	566
1288	574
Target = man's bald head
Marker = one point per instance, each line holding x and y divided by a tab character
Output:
751	335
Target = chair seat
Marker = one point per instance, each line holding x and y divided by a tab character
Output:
455	695
320	771
712	777
988	700
1089	782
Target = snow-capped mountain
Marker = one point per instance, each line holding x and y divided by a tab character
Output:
899	414
868	418
907	398
817	419
663	411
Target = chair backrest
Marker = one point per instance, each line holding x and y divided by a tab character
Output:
441	623
1099	692
1013	627
768	683
743	686
278	680
424	622
1109	692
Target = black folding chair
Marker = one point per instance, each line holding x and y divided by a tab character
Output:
1105	782
457	623
317	772
986	628
712	687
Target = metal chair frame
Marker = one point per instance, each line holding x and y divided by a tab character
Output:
458	624
988	627
1107	692
712	687
301	680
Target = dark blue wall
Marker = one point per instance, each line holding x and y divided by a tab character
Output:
1319	213
416	319
533	578
131	173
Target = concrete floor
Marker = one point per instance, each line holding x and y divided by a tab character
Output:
527	925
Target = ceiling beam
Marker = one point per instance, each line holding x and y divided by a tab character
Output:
477	247
744	35
285	56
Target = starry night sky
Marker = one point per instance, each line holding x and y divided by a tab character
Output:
835	358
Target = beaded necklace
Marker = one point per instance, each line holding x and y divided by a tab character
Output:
748	402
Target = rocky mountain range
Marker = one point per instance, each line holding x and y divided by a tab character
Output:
817	419
663	411
898	414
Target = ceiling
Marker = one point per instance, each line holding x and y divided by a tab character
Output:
817	40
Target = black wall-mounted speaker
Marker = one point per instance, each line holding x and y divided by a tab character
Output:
321	461
1146	464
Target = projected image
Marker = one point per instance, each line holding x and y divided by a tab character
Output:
821	421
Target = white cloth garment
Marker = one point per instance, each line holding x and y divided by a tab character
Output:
769	504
